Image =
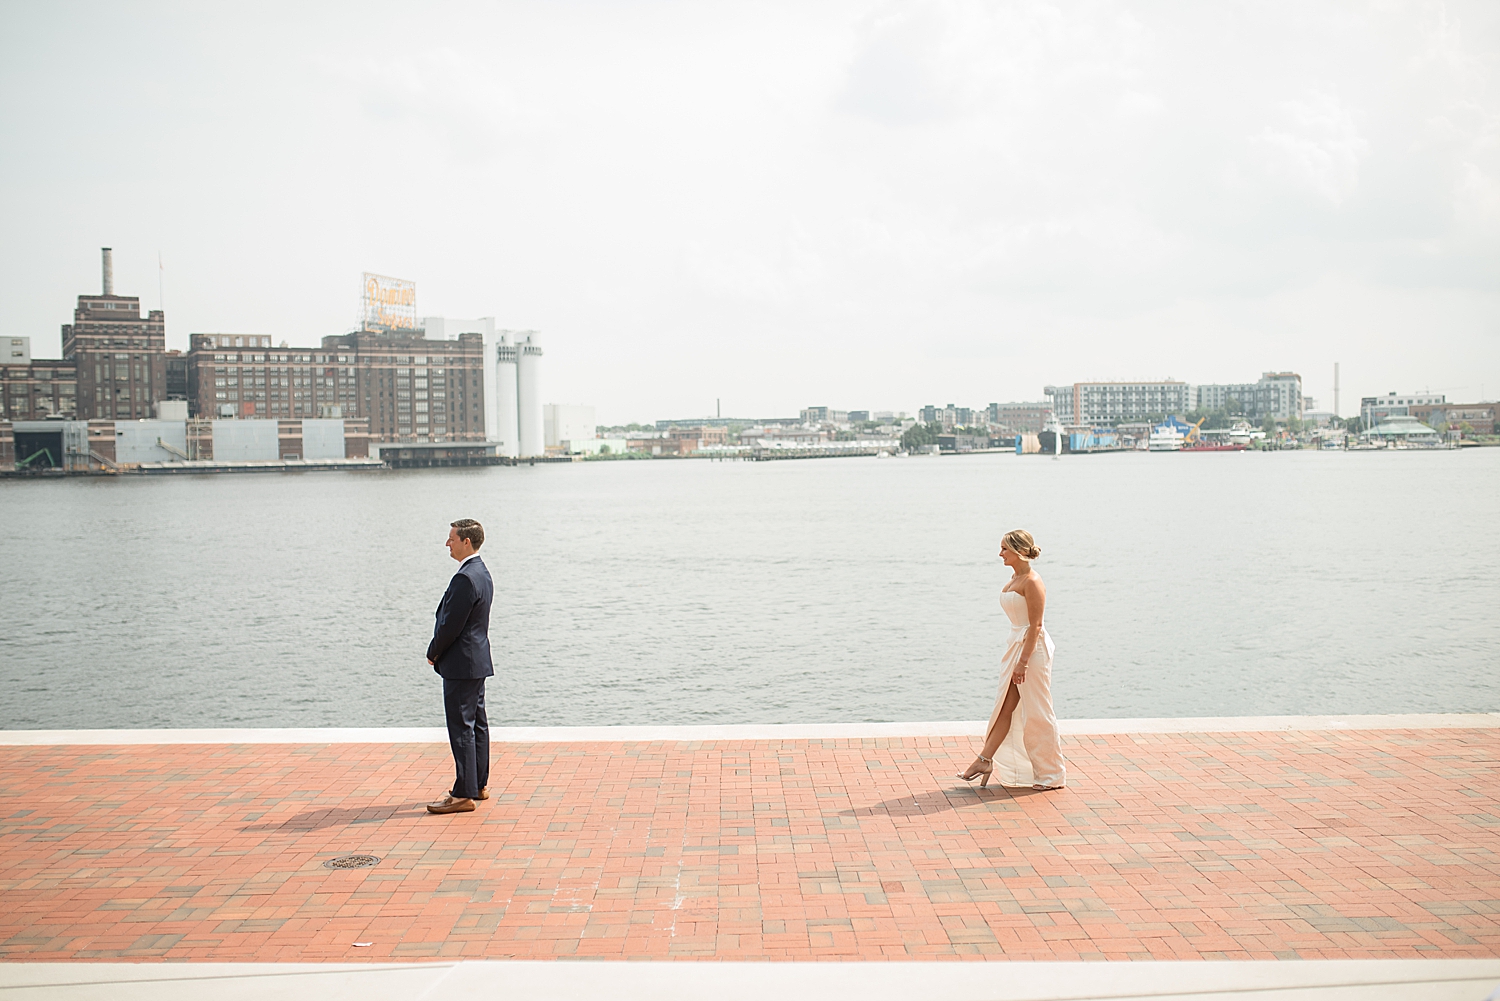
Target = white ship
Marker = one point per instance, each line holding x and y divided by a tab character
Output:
1165	438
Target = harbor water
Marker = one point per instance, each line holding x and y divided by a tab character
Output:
854	589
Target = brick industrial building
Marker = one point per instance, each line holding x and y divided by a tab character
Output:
116	367
114	363
38	388
407	387
120	358
1024	417
1479	416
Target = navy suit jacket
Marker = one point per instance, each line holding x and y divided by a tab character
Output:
460	646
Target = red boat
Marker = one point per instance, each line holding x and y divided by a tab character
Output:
1202	446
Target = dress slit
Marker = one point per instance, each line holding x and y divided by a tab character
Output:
1031	753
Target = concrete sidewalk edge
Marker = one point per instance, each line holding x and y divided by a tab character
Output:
734	981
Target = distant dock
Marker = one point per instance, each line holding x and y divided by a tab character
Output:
811	452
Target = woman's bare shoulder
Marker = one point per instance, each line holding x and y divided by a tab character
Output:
1031	582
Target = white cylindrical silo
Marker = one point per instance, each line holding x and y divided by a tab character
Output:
485	326
529	395
507	421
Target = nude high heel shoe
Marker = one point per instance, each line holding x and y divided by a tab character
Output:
983	774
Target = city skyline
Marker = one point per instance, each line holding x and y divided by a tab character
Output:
905	203
448	329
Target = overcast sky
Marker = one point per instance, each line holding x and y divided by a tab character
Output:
855	205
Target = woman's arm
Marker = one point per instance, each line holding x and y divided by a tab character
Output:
1035	593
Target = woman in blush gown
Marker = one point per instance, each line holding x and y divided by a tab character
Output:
1021	744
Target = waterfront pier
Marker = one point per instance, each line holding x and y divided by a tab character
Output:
1357	839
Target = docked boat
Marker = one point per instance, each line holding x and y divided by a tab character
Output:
1050	438
1214	440
1165	438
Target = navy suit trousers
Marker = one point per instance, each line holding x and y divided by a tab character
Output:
468	734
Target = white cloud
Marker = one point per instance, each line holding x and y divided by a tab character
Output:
440	96
1316	145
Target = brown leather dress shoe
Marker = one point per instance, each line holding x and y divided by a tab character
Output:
484	793
451	804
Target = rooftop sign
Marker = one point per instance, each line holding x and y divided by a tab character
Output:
389	303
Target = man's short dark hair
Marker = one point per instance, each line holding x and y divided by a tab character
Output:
471	530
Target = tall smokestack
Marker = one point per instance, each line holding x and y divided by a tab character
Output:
109	271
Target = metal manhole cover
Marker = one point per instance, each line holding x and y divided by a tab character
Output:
351	862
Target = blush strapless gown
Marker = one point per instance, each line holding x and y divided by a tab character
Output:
1031	753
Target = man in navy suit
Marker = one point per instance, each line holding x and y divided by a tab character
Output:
460	653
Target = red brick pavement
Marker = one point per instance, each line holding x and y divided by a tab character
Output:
1199	846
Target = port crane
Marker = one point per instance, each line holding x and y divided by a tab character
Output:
39	453
1193	435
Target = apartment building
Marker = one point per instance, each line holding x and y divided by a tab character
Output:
1112	402
1275	396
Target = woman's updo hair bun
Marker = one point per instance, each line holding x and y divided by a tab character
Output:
1020	542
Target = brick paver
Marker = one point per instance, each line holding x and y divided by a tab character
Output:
1269	845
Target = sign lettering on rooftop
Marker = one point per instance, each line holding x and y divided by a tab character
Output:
389	303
